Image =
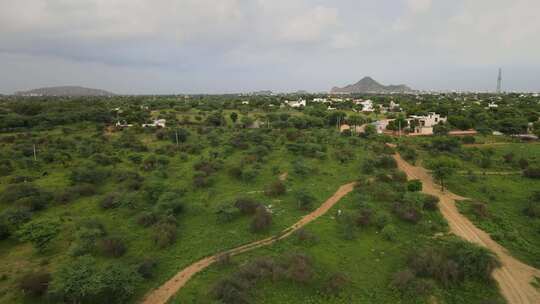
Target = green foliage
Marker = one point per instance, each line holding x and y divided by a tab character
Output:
82	280
39	233
414	185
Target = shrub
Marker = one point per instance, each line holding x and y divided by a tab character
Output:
532	172
304	236
468	140
88	173
300	268
147	267
305	199
346	226
523	163
533	206
39	233
148	218
479	209
233	290
110	201
276	188
335	283
403	280
414	185
246	205
4	231
113	247
364	217
13	193
386	162
389	232
170	203
262	220
430	202
223	259
35	284
165	234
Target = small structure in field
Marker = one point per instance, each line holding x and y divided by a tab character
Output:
158	123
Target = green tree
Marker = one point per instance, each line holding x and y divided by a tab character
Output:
234	117
443	168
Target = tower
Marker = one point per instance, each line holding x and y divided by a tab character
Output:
499	81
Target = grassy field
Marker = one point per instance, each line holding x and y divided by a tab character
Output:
505	196
199	232
368	261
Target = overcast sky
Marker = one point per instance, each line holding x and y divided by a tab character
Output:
214	46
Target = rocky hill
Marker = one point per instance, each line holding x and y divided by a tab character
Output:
368	85
65	91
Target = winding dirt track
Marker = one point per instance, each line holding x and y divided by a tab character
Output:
514	277
162	294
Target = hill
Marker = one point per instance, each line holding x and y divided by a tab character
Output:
65	91
369	85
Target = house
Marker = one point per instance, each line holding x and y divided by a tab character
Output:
245	102
330	108
158	123
367	105
123	124
394	106
492	105
424	124
296	104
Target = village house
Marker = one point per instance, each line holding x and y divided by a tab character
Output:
158	123
424	124
296	103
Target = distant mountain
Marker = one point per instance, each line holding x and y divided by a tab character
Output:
65	91
368	85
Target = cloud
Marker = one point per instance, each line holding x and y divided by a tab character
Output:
265	42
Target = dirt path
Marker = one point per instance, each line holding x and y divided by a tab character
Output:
514	277
162	294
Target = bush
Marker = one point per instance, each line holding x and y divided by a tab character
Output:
39	233
113	247
300	268
276	188
430	202
479	209
147	268
532	172
262	220
305	199
403	280
389	233
165	234
247	205
335	284
414	185
533	206
304	236
170	203
89	174
35	284
148	218
386	162
110	201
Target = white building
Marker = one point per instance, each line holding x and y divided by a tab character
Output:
493	105
367	106
425	124
159	123
245	102
296	103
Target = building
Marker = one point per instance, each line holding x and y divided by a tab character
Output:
158	123
367	105
296	103
423	125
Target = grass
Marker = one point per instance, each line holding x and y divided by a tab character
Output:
199	232
369	261
505	195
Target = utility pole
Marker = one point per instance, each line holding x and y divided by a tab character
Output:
176	131
499	82
399	128
35	156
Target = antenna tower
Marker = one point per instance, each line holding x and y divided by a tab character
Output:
499	82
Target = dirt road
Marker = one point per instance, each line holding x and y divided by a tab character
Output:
162	294
514	277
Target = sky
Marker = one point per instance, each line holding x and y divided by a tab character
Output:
228	46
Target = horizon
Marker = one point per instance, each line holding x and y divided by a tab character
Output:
235	46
